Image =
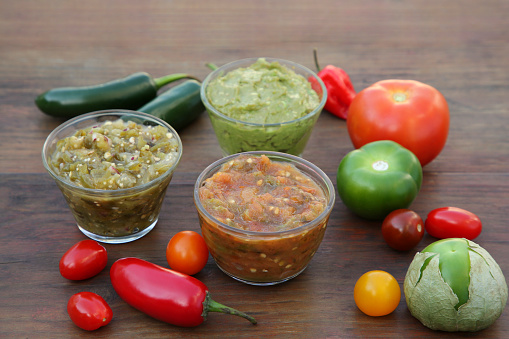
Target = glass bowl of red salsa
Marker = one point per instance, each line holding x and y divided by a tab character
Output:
113	168
263	214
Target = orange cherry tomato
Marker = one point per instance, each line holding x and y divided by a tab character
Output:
413	114
377	293
187	252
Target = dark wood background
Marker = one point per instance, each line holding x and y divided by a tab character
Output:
459	47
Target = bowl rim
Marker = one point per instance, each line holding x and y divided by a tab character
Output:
220	71
111	112
310	168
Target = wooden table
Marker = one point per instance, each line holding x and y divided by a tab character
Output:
461	48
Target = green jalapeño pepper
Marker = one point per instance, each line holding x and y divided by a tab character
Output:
379	178
130	92
455	285
179	106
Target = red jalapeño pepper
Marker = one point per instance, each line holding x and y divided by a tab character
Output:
340	91
164	294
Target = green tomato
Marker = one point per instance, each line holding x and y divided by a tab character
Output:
378	178
455	285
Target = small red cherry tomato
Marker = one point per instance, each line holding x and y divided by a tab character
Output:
402	229
453	222
89	311
83	260
187	252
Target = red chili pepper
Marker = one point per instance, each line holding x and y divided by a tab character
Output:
340	91
164	294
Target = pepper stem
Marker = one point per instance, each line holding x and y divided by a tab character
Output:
210	305
165	80
315	55
211	66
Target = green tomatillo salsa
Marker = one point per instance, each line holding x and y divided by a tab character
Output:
109	174
264	106
255	194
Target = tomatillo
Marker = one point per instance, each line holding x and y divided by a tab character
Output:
455	285
378	178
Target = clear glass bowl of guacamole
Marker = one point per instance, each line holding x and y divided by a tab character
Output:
263	104
113	168
263	214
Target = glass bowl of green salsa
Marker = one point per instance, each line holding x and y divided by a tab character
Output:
263	214
263	104
113	168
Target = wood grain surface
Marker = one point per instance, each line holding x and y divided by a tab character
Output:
459	47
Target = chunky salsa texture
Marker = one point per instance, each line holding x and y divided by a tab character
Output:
257	194
114	155
117	159
273	199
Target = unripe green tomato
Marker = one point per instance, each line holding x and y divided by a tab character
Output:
378	178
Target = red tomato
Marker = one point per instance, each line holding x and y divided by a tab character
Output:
413	114
402	229
453	222
89	311
377	293
187	252
83	260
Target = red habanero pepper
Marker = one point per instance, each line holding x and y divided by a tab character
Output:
164	294
340	91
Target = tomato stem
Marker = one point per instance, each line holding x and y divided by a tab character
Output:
399	97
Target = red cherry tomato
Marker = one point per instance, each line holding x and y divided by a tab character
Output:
453	222
413	114
89	311
402	229
83	260
187	252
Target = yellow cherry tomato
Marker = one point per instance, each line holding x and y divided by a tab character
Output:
377	293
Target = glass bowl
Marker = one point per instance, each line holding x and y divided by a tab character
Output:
264	257
235	136
113	215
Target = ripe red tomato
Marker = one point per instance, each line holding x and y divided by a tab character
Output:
187	252
453	222
83	260
413	114
402	229
377	293
89	311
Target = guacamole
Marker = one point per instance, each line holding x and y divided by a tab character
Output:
270	105
263	93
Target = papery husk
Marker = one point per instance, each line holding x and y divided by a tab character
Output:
432	301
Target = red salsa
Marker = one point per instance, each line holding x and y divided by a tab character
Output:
253	193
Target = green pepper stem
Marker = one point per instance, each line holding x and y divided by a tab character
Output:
315	55
210	305
211	66
165	80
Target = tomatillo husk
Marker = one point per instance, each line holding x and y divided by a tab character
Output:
455	285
